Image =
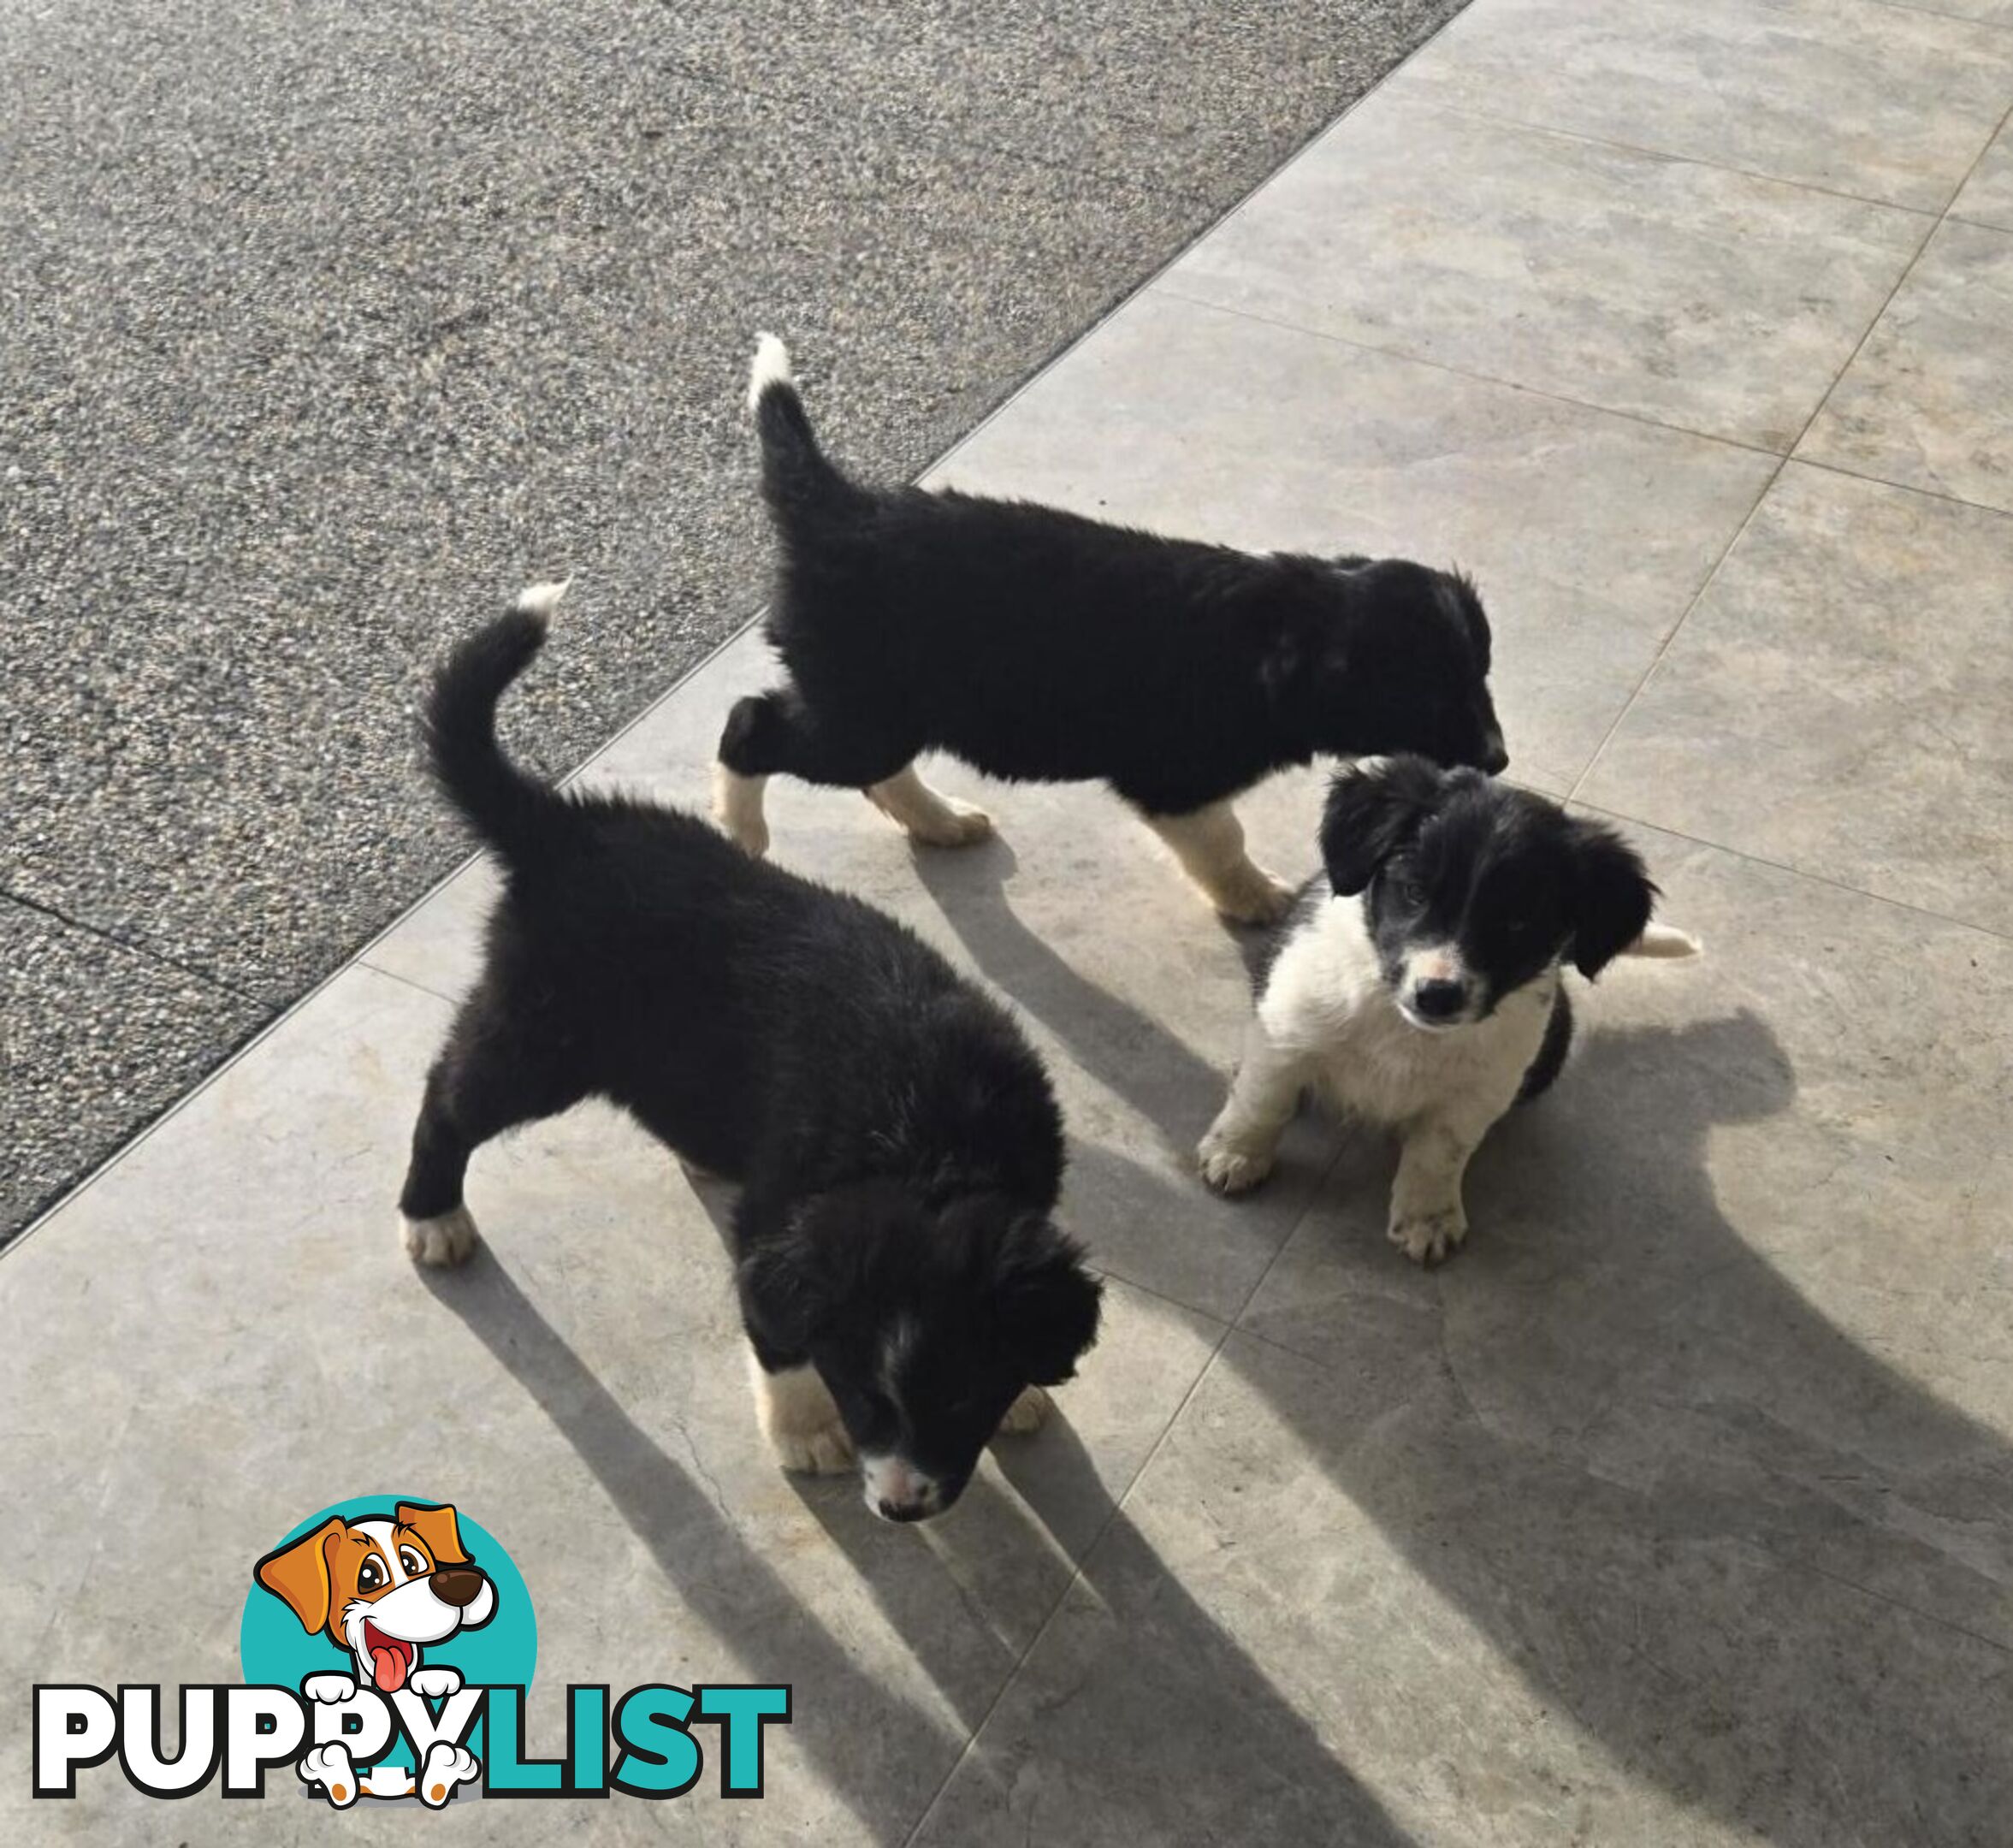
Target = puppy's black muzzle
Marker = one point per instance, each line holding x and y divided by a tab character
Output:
1440	1000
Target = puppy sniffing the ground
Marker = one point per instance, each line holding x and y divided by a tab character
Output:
1041	647
903	1286
1418	982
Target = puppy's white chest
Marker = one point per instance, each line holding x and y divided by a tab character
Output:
1327	999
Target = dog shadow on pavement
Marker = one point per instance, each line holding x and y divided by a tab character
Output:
1757	1565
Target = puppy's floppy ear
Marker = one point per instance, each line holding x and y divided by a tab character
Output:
1611	897
1046	1302
784	1297
297	1574
1371	808
437	1527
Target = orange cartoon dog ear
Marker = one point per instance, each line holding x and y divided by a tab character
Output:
437	1527
297	1574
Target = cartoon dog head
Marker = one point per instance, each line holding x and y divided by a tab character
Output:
382	1589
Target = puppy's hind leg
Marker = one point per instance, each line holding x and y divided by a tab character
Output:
1209	842
927	814
486	1081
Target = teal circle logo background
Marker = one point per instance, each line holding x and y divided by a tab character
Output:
274	1650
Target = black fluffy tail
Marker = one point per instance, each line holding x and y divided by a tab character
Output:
505	806
798	479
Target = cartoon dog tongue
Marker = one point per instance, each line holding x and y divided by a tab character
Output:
388	1668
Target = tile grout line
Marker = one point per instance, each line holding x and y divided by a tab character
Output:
139	947
1796	872
1474	113
1166	292
1790	454
1930	12
1227	1329
1767	487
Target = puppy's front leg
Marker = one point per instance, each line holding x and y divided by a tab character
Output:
1209	842
926	814
1427	1219
1236	1154
798	1414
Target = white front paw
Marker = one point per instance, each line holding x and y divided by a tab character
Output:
331	1690
434	1684
1231	1166
328	1768
1427	1237
823	1450
1028	1412
1251	895
446	1766
446	1239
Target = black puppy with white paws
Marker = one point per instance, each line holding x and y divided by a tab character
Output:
1041	647
904	1289
1418	984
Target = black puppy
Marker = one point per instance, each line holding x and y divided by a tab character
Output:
902	1286
1041	647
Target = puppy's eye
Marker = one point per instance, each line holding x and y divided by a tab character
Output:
1406	890
414	1566
370	1576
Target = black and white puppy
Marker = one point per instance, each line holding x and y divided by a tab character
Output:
904	1288
1041	647
1418	982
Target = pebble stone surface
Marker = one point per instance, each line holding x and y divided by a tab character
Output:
329	323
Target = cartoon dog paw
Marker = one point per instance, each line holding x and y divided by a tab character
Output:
435	1684
447	1768
328	1768
331	1690
1029	1412
1428	1237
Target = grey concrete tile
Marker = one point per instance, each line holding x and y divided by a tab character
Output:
1376	1618
1835	702
1926	402
1678	1507
258	1347
1852	95
1589	533
95	1041
1680	292
1986	197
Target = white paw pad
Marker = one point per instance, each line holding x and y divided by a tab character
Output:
1251	895
1028	1412
1230	1167
446	1239
435	1684
328	1769
447	1768
1428	1237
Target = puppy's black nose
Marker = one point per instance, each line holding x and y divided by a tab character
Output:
457	1584
1494	759
1440	1000
901	1511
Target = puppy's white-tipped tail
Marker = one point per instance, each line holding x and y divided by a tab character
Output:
541	599
770	367
1665	940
